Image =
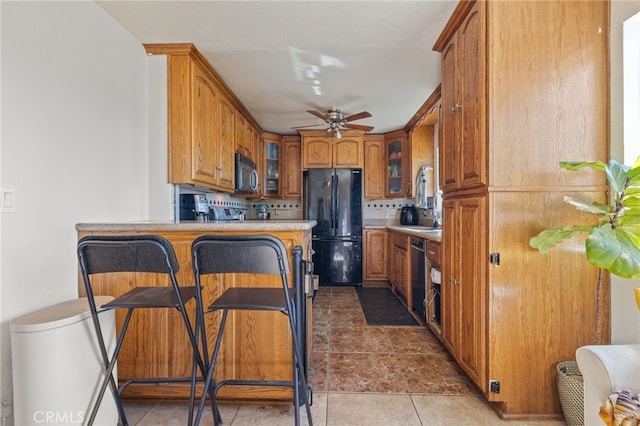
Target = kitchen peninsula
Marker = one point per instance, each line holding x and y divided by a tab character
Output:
256	344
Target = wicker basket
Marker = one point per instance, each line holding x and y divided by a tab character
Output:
571	391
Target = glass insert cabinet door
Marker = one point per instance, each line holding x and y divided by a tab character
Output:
394	167
272	169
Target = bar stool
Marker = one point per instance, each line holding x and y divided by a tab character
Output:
98	254
249	254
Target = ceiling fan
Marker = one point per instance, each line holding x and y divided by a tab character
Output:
336	121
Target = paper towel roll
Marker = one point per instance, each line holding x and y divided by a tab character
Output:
436	276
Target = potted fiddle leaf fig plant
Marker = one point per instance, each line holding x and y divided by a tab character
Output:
612	244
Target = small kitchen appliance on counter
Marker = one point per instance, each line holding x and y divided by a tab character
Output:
194	207
409	215
262	212
222	213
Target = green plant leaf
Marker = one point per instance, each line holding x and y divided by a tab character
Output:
595	208
617	176
578	165
614	250
634	172
549	238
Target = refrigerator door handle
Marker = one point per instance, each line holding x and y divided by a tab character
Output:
336	197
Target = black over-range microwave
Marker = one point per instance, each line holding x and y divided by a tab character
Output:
246	175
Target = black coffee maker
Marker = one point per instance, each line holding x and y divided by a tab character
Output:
194	207
409	215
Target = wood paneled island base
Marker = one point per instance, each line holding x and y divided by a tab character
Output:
256	345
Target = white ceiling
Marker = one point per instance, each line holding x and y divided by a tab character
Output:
363	55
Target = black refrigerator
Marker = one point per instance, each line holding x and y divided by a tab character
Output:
333	198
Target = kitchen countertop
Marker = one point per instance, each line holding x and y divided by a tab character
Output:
234	225
425	232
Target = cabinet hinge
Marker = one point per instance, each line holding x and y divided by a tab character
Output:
494	259
494	386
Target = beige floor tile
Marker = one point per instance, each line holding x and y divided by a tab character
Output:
135	411
176	413
276	415
345	409
446	410
435	410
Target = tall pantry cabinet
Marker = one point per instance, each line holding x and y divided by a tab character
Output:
524	86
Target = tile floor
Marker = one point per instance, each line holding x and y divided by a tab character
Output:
361	375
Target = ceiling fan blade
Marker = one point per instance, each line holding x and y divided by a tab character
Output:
358	116
310	125
318	114
358	127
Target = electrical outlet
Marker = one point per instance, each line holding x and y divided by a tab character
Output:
392	213
7	200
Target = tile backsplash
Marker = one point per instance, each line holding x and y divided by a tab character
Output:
378	210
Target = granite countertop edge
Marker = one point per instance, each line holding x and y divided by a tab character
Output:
415	233
247	225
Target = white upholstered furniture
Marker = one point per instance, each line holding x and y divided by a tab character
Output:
607	369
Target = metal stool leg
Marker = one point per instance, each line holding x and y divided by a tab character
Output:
109	366
300	381
216	415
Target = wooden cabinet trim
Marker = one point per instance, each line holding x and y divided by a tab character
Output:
459	14
189	49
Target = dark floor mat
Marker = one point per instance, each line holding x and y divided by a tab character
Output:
382	307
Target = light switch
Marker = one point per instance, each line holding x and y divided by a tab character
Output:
7	200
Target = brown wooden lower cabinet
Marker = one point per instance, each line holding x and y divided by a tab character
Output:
256	345
375	255
509	313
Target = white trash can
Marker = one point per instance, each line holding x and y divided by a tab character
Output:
57	367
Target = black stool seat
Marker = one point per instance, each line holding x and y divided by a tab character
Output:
255	299
152	297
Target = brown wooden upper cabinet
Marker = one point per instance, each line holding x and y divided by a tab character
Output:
374	165
200	127
206	122
291	167
398	183
271	172
321	150
247	138
463	144
282	174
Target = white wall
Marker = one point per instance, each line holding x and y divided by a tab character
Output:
74	146
625	323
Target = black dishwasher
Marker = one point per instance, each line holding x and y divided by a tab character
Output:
418	283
